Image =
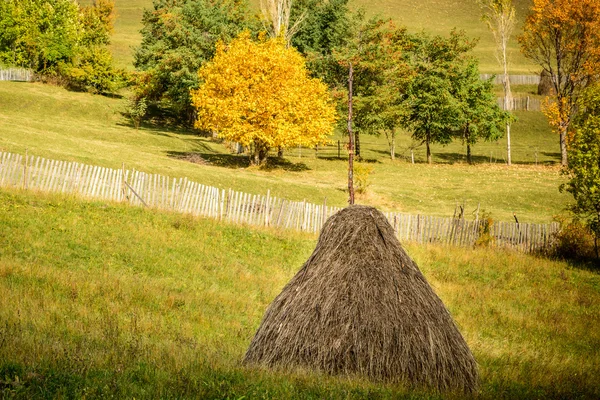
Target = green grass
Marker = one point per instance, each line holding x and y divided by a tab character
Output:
105	300
433	16
52	122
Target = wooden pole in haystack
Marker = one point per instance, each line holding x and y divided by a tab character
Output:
350	138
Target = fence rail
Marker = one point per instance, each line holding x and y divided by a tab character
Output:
514	79
183	195
16	74
522	103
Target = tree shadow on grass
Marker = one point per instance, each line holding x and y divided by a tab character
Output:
452	158
235	161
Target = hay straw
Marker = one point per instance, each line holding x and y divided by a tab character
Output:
361	306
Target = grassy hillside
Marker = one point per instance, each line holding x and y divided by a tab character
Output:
55	123
104	300
437	17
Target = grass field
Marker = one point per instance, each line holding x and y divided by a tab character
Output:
437	17
52	122
105	300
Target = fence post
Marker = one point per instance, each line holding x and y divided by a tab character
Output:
25	171
268	208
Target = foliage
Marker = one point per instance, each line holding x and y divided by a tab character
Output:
59	38
584	162
479	114
433	110
136	110
362	173
325	26
380	106
179	37
563	37
485	238
259	94
363	51
39	34
574	240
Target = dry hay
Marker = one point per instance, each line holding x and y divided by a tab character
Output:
361	306
545	87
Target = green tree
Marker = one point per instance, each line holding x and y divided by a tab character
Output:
178	37
325	26
92	67
380	105
433	110
58	37
583	169
480	116
39	34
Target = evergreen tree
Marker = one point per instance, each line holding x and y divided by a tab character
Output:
178	37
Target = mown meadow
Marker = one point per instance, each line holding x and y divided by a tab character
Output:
55	123
106	300
100	299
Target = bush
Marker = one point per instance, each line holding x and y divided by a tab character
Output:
485	237
93	72
362	173
574	241
136	110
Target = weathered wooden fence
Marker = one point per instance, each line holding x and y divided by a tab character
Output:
183	195
514	79
15	74
522	103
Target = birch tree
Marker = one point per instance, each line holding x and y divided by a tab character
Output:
500	18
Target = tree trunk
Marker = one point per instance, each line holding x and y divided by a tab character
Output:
393	146
563	146
508	156
357	144
350	139
261	152
427	138
467	140
280	152
507	94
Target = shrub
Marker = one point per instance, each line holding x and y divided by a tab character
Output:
136	110
574	241
362	173
485	237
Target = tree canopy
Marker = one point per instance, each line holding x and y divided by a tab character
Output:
584	162
259	94
563	37
60	38
178	37
433	108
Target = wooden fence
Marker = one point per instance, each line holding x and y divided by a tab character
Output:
183	195
514	79
522	103
16	74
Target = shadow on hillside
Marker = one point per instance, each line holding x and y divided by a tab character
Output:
235	161
451	158
345	158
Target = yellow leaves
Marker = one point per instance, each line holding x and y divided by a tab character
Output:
260	92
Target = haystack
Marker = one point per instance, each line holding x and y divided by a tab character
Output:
361	306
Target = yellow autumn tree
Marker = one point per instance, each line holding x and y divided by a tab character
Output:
259	94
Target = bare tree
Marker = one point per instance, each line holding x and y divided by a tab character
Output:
500	18
276	17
